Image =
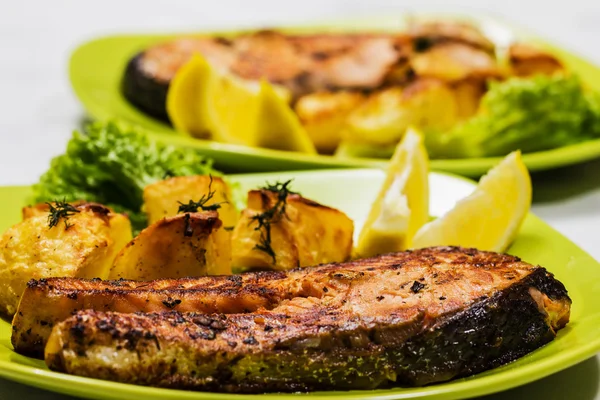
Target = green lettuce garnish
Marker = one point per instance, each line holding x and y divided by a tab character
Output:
530	114
111	163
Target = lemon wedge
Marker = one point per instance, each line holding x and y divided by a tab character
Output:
188	98
278	127
212	104
208	103
234	109
489	218
402	205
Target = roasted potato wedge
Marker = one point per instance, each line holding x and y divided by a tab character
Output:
384	117
190	244
85	248
527	60
454	62
468	94
381	119
161	199
308	234
324	114
431	103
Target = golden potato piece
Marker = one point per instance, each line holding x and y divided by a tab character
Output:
454	62
85	248
383	119
324	114
308	234
161	199
431	103
190	244
526	60
468	94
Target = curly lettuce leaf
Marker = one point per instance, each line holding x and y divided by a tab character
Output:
530	114
111	163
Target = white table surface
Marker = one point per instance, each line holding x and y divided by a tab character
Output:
38	110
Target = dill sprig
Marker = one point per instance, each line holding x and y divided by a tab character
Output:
60	210
193	206
271	216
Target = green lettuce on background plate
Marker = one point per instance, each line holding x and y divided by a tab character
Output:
530	114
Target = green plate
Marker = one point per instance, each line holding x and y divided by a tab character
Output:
96	69
537	243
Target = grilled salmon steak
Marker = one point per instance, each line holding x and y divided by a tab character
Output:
308	64
409	318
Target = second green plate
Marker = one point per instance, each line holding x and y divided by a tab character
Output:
96	69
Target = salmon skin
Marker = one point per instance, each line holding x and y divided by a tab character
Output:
410	318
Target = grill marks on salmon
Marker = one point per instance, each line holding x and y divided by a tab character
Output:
46	302
371	284
408	318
